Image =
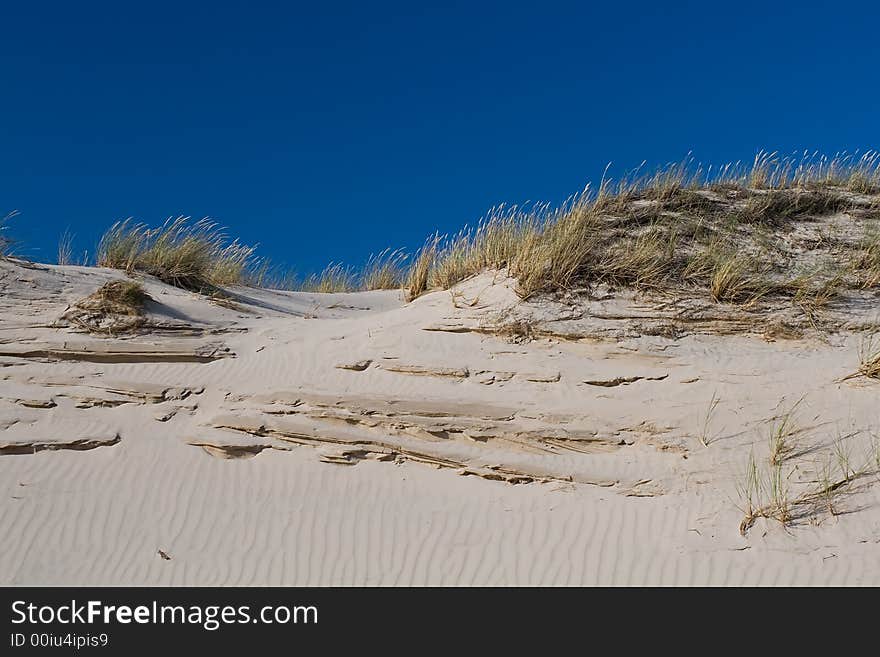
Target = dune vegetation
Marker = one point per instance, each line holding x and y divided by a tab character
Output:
732	233
727	231
194	255
5	241
115	307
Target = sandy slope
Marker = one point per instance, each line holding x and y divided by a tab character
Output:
292	438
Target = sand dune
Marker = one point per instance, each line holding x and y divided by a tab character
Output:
283	438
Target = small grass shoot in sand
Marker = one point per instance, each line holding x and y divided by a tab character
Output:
782	432
705	433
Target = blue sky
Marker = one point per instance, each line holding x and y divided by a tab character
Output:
327	131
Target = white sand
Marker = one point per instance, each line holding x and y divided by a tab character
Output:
322	439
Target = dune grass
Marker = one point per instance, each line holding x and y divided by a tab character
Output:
65	248
782	433
778	207
866	263
384	271
195	255
416	279
6	243
776	494
684	226
126	297
677	227
334	278
869	357
115	307
705	430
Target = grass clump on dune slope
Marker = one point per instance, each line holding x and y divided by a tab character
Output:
195	255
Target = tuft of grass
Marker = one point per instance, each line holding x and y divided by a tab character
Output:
813	294
763	170
866	263
115	307
195	255
265	274
384	271
6	242
843	455
494	243
416	282
864	175
825	480
126	297
765	495
778	489
553	257
770	496
749	488
869	358
646	261
517	332
65	248
732	278
335	278
779	206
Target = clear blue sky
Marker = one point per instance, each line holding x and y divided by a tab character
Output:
326	131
